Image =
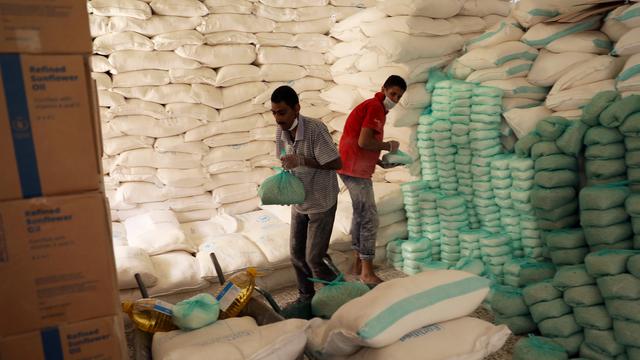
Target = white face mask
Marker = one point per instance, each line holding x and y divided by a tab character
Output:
388	103
295	123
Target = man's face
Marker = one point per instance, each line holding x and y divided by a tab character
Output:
394	93
284	114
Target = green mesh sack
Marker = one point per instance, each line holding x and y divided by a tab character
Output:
524	144
532	272
633	265
603	217
556	178
605	169
608	262
399	157
620	245
544	148
626	332
473	266
605	152
565	239
566	222
552	127
632	158
556	162
631	125
588	352
615	114
537	348
196	312
549	309
570	142
581	296
568	256
572	276
557	214
519	325
604	341
604	196
541	291
283	188
632	143
624	309
562	326
622	286
602	135
571	344
591	112
607	235
593	317
632	205
548	199
335	294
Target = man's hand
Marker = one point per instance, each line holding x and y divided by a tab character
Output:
387	165
393	146
292	161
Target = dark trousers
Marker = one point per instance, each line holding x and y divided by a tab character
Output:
310	235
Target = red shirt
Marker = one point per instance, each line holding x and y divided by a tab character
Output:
356	161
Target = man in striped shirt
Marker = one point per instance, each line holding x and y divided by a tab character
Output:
307	150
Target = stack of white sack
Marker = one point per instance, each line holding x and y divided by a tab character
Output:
626	21
406	38
182	88
391	218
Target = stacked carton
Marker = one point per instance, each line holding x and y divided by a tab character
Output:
57	273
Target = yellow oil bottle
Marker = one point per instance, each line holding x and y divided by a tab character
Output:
150	315
236	293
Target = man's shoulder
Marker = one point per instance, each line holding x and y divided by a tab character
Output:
313	124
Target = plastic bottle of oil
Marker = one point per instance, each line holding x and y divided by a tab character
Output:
150	315
236	292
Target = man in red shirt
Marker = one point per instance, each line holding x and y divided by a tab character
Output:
360	148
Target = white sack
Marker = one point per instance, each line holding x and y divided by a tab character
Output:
103	81
141	78
246	109
133	174
119	234
177	272
239	152
197	111
114	146
234	193
509	70
230	38
234	253
194	215
183	178
218	55
396	46
273	240
485	7
155	25
100	64
143	192
150	158
191	203
173	40
594	42
141	125
256	176
240	207
484	58
229	6
549	66
98	25
519	87
129	8
281	72
577	97
130	60
320	26
503	31
179	7
629	77
285	55
603	67
156	232
138	107
193	76
235	22
523	121
224	127
237	94
109	98
237	74
541	35
431	8
130	261
108	43
235	138
177	144
628	44
199	231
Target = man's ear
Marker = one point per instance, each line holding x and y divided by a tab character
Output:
297	108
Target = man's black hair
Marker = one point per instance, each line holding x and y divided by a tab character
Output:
286	95
395	80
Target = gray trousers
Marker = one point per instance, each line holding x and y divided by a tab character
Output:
310	235
364	224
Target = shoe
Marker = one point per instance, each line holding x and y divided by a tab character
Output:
298	309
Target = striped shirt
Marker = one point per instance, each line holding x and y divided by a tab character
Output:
312	140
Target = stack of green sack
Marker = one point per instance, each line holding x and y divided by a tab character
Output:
460	118
626	314
426	149
630	128
605	155
523	173
604	218
474	266
470	243
522	272
537	347
509	308
430	220
441	134
566	246
452	212
411	195
485	144
623	115
465	183
502	183
496	251
539	293
632	206
621	293
555	173
394	254
414	254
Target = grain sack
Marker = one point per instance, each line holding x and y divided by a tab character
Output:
590	71
235	22
177	272
179	8
543	34
519	325
156	232
577	97
593	109
444	341
509	70
629	77
218	55
628	44
285	55
130	261
141	78
562	326
532	12
518	87
593	317
615	115
626	332
131	60
605	152
129	8
603	341
148	126
549	309
548	67
572	276
602	135
503	31
345	334
173	40
581	296
622	286
155	25
570	142
484	58
234	252
400	47
594	42
508	301
430	8
112	42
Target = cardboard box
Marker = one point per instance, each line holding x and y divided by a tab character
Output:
56	262
49	136
44	26
101	338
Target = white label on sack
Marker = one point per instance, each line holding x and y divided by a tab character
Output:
227	296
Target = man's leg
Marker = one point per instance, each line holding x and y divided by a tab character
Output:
356	264
318	236
298	246
364	209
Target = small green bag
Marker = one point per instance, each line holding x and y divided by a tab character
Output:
399	157
196	312
335	294
283	188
